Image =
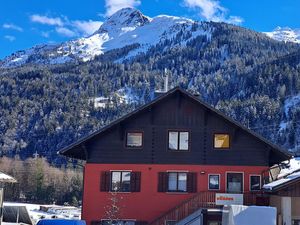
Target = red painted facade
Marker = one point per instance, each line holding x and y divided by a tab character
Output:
148	204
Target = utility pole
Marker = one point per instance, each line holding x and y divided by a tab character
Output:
166	81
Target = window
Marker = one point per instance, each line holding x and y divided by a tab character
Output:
255	182
221	141
170	222
214	182
120	181
296	222
235	182
179	140
134	139
177	182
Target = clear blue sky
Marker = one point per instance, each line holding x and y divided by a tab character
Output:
25	23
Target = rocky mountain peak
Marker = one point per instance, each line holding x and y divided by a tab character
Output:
126	18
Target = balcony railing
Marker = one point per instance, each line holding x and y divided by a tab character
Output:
204	200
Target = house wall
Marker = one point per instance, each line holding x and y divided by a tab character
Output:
178	112
296	208
276	201
148	204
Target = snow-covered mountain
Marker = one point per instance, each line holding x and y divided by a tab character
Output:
126	27
285	34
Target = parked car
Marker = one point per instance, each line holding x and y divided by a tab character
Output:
61	222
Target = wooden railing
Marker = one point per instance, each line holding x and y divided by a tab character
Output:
203	200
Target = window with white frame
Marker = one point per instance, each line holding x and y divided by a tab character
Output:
120	181
235	182
214	182
178	140
177	181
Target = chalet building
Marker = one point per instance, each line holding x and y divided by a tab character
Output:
170	158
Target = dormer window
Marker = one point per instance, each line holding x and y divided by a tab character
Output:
134	139
178	140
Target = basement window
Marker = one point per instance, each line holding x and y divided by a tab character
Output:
177	182
221	141
178	140
134	139
120	181
255	182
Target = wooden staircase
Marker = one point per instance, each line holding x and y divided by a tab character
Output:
203	200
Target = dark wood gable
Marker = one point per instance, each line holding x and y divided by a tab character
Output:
177	110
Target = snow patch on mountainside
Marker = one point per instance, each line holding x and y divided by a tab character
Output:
290	103
285	34
126	27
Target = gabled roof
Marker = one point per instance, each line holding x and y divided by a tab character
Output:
76	150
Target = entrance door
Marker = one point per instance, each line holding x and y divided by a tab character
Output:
235	182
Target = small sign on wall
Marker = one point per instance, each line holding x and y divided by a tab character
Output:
229	199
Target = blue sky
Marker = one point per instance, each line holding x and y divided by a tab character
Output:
25	23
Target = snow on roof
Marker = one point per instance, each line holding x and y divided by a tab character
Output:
6	178
281	181
294	166
286	175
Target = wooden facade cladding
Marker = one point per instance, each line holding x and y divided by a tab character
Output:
109	147
176	110
291	189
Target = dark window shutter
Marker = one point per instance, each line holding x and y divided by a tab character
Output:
135	181
162	182
192	182
105	181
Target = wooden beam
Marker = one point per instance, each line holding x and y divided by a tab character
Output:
178	96
85	151
206	114
151	115
235	134
121	131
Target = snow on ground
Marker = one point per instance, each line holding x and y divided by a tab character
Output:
126	27
126	95
53	211
291	102
285	34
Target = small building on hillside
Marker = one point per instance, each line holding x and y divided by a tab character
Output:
170	158
285	196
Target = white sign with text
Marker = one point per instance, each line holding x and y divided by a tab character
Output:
229	199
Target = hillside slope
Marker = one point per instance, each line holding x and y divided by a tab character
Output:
247	75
